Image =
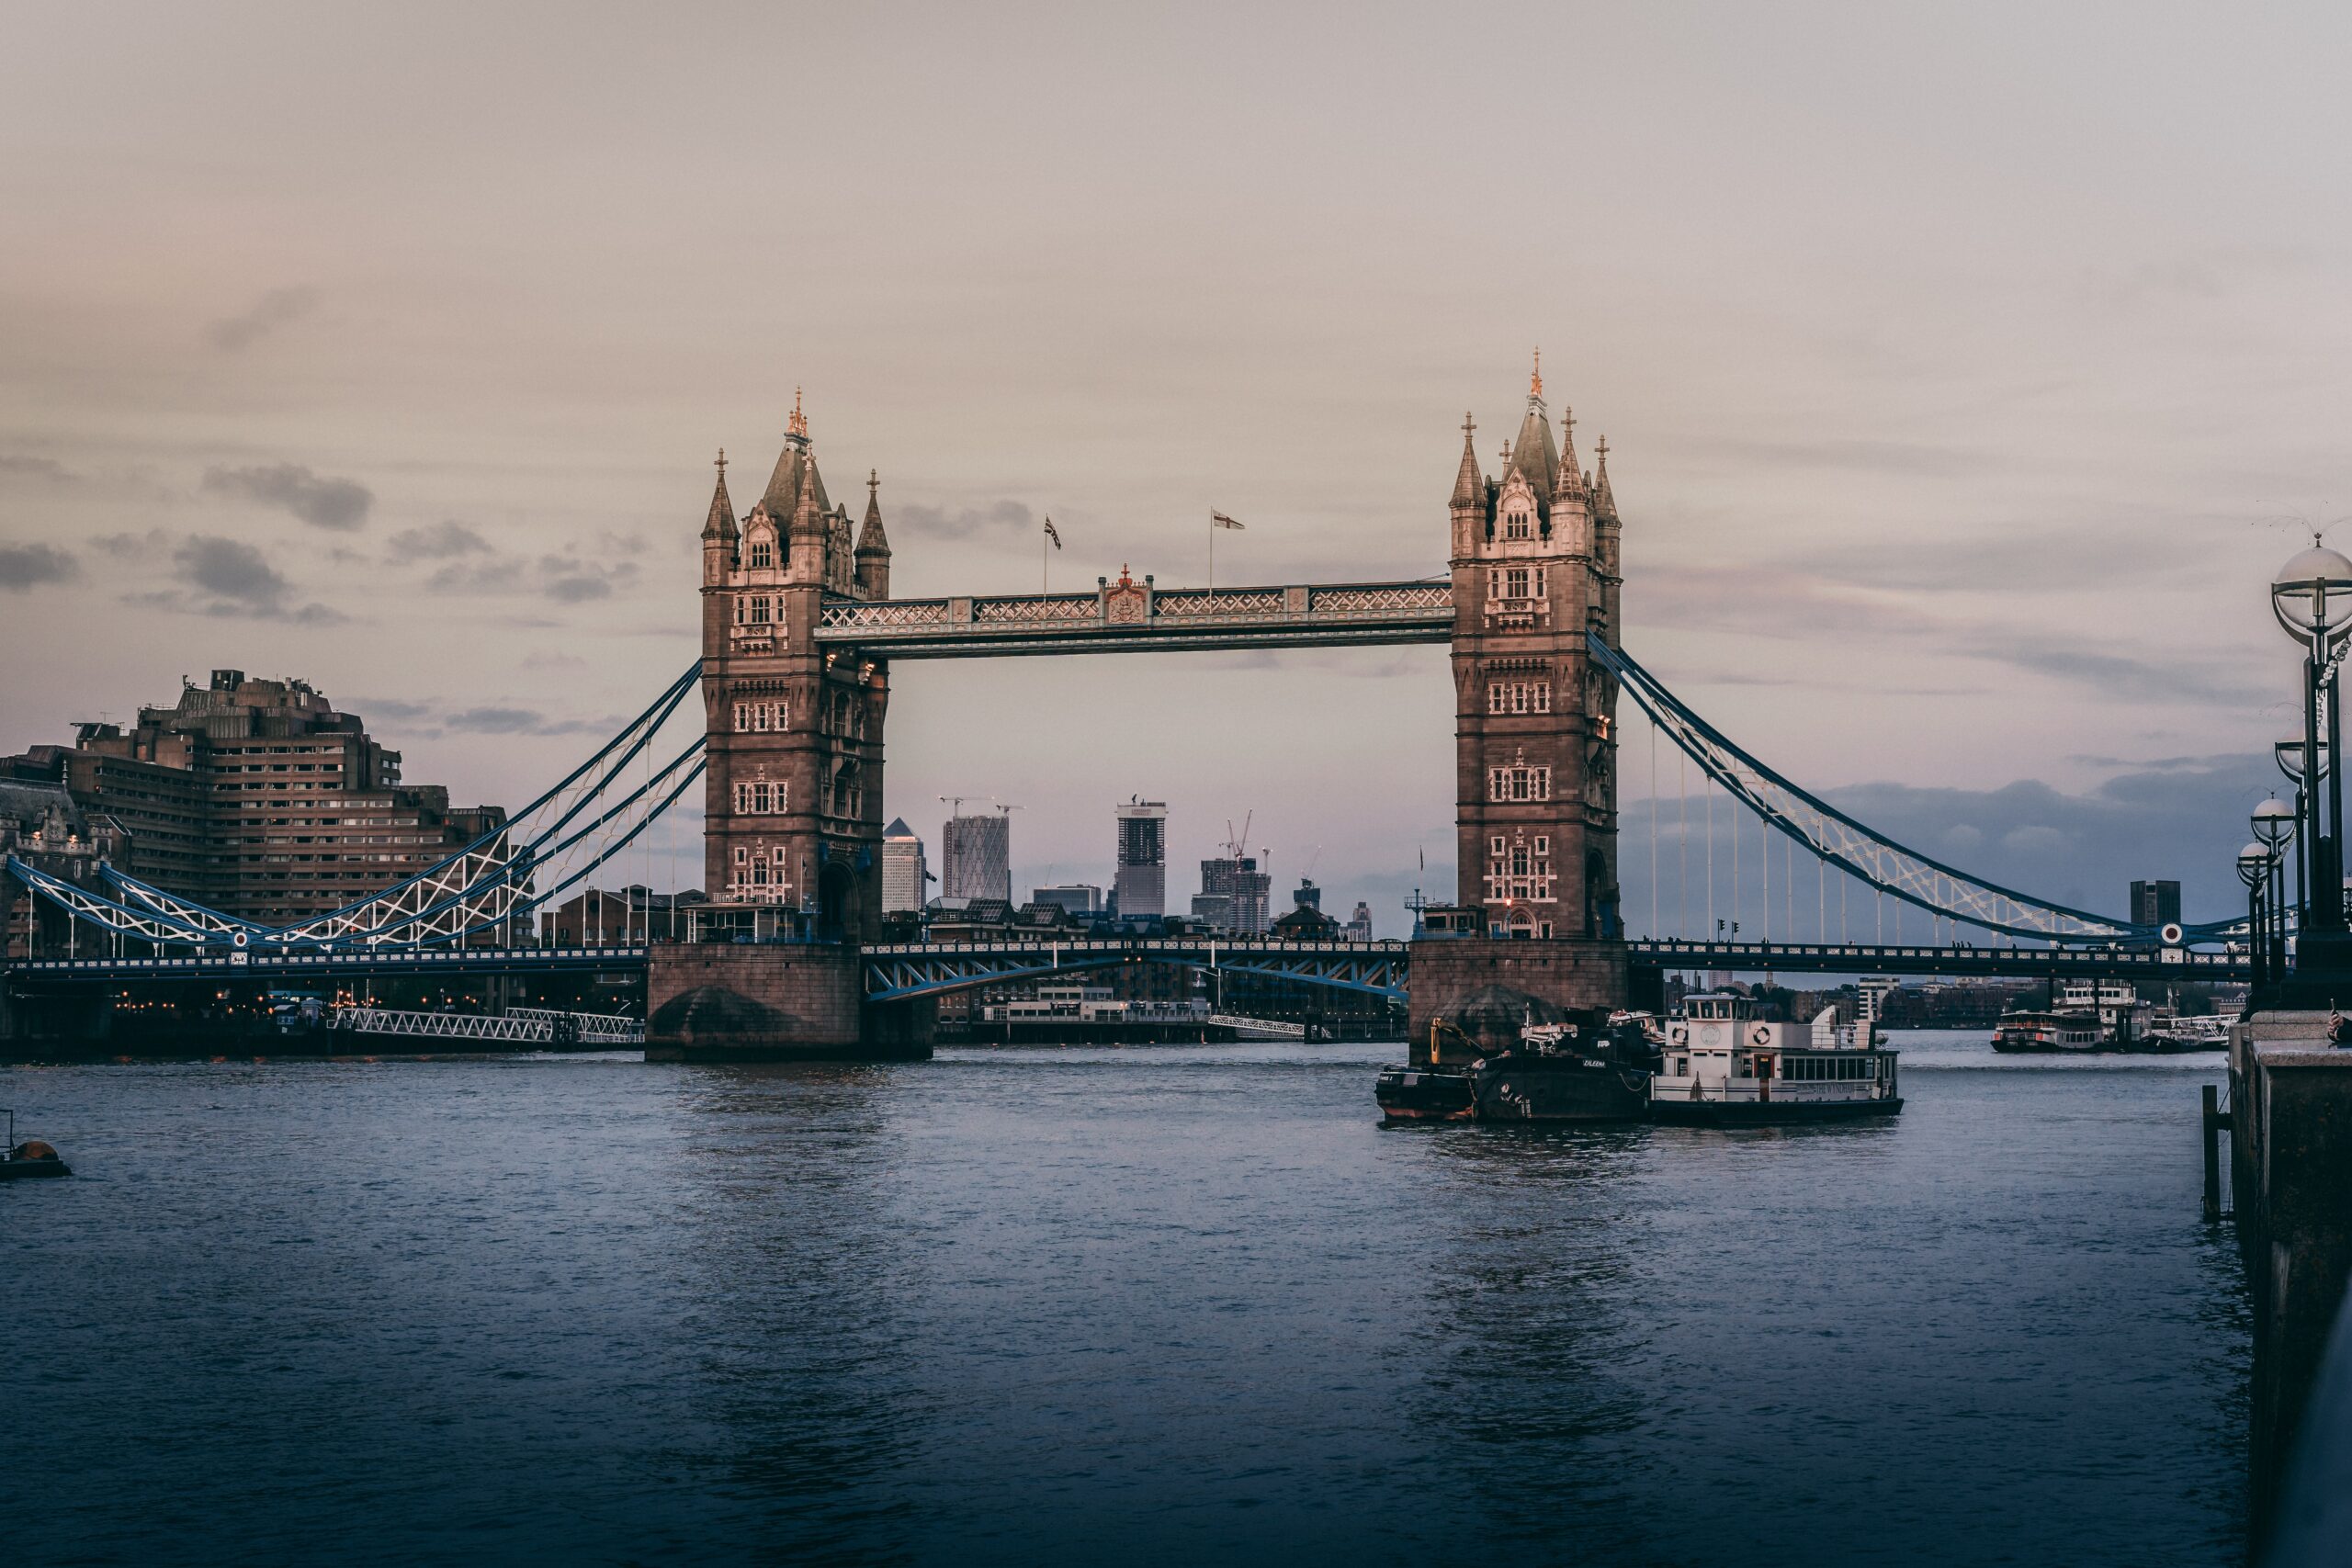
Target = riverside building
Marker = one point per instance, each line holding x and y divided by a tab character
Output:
256	797
904	874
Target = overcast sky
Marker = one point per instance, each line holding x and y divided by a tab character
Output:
1956	364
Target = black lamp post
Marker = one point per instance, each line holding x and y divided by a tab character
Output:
2289	751
2253	869
2274	825
2312	597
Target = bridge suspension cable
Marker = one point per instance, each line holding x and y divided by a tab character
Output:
1859	850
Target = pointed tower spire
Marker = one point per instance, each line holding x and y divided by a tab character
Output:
721	522
1469	485
1570	486
871	541
1604	501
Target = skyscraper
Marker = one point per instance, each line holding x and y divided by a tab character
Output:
1359	928
2155	903
976	857
1243	891
1142	884
904	875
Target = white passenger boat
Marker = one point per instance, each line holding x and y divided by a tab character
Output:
1726	1067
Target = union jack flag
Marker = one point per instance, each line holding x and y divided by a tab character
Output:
1053	533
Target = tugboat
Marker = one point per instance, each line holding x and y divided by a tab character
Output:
1559	1072
1593	1069
30	1158
1725	1068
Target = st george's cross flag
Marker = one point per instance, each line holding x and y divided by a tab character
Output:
1219	520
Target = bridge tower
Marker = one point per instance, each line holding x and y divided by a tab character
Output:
793	794
1535	565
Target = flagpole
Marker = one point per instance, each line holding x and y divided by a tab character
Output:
1212	560
1045	561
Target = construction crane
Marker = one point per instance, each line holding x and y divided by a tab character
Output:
1235	844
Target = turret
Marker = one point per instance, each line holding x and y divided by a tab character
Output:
872	544
719	535
1469	504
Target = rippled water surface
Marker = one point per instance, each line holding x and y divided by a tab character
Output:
1166	1304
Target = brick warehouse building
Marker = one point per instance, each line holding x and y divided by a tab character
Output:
255	797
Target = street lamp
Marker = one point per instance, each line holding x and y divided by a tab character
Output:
2274	824
2311	596
2253	869
2287	749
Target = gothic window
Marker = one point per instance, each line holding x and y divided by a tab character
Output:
763	554
1518	783
760	799
761	608
1543	693
1515	524
741	722
1515	582
1539	582
742	855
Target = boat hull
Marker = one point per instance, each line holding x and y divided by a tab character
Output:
1561	1089
1407	1094
32	1169
1767	1113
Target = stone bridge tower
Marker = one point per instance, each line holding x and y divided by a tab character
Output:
1535	566
793	796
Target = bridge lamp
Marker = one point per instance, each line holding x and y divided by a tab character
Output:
2274	823
2311	596
2289	751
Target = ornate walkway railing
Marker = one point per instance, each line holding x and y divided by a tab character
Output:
1129	615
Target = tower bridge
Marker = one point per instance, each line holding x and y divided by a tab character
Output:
799	637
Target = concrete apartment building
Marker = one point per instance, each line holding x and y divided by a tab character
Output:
255	797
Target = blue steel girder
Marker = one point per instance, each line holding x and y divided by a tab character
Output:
1127	617
899	970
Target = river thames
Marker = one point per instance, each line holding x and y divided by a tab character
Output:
1156	1304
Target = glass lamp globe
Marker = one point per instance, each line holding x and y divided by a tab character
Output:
2254	863
2312	595
2289	750
2274	820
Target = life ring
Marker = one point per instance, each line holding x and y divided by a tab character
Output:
1761	1036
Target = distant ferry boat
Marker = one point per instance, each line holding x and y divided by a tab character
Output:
2090	1015
1595	1071
1726	1067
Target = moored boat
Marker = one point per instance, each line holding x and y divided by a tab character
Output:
1724	1067
30	1158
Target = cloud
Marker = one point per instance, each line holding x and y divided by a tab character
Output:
28	566
440	542
391	708
1002	516
228	576
569	580
520	721
340	504
48	469
266	315
153	539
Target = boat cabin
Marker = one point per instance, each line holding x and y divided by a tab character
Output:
1720	1049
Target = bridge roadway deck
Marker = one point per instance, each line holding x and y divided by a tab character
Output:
223	965
2159	963
1128	617
898	970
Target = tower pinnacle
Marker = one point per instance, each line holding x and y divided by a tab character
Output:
1469	486
1535	387
798	424
720	523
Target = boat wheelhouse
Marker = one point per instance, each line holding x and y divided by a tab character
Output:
1724	1066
